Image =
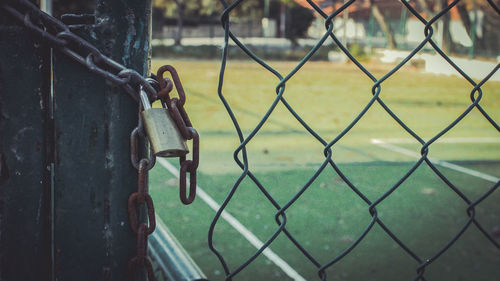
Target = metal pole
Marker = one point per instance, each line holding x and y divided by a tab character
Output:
172	260
402	24
46	6
265	20
473	31
266	8
282	20
371	30
345	19
25	155
93	173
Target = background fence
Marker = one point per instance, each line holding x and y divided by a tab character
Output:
372	203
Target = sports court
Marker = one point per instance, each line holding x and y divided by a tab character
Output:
329	217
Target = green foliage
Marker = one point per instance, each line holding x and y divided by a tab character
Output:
357	50
244	11
191	7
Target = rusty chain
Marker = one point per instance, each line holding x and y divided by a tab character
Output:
59	36
137	202
176	108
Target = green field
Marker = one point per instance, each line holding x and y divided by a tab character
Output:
423	212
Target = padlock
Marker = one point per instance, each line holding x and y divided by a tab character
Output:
163	134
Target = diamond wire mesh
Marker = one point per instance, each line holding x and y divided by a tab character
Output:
240	154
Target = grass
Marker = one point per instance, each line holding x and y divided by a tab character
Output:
423	211
328	97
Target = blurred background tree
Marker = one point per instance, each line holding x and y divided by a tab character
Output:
298	22
180	9
482	24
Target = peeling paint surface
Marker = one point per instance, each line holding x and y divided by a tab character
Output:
23	205
130	37
18	140
91	176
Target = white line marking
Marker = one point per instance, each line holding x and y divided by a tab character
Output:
238	226
445	140
435	161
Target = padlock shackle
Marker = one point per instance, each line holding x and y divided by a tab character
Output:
144	99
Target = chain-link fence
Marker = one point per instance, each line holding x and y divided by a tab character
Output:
282	230
60	37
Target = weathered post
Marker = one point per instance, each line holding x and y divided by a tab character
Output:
67	183
25	130
93	173
65	169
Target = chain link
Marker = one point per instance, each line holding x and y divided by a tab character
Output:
58	35
137	202
176	109
141	259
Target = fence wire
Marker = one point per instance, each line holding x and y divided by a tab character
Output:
241	157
